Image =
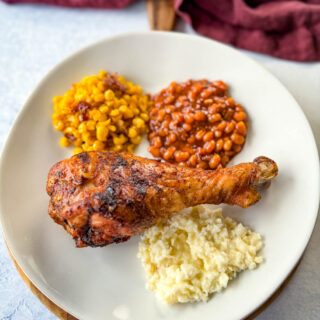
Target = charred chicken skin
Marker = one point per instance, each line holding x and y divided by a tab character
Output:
105	197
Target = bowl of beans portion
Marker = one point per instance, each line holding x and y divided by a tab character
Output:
196	124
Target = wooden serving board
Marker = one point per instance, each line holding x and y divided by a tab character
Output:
64	315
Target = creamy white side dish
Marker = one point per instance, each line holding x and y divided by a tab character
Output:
196	253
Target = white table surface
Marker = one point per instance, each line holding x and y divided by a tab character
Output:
34	38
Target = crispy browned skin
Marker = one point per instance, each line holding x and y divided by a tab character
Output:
101	198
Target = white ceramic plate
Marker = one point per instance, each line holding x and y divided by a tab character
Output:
109	282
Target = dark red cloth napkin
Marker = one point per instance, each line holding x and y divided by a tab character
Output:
288	29
104	4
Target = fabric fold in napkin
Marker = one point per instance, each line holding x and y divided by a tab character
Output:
288	29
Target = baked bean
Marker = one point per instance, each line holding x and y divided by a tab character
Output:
209	146
208	136
241	128
205	94
219	145
156	142
237	138
166	123
168	154
230	127
177	116
195	123
227	145
188	117
202	165
222	125
169	99
215	108
207	102
237	148
200	134
199	116
161	115
230	102
224	160
172	137
215	161
215	117
153	112
187	126
154	151
193	160
217	133
173	125
169	108
240	116
200	151
181	156
192	140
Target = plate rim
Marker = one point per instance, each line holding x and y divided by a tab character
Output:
37	282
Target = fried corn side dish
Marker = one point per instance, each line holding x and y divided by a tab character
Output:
102	112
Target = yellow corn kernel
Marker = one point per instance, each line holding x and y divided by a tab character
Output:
123	108
112	128
128	114
122	101
90	148
98	145
102	117
136	111
110	104
102	74
99	97
86	136
102	133
64	142
136	140
117	148
101	86
109	95
144	116
91	125
77	142
96	115
77	150
138	122
56	99
96	91
120	139
104	123
130	148
104	109
82	127
132	132
55	116
68	130
143	107
114	113
58	125
76	134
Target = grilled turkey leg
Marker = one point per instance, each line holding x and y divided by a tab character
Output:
100	198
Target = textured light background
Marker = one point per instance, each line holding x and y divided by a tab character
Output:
34	38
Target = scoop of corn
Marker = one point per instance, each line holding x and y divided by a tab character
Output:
102	112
